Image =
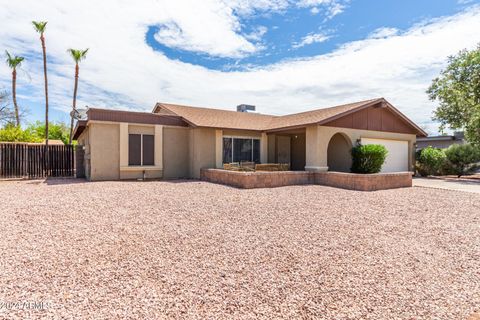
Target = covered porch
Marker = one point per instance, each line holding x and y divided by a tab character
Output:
288	147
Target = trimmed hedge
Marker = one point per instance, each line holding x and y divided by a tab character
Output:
368	158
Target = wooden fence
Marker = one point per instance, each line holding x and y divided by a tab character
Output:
33	161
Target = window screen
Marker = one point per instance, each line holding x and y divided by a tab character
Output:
148	150
134	149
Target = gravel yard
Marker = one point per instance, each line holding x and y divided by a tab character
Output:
155	250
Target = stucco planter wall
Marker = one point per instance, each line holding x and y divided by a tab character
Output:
352	181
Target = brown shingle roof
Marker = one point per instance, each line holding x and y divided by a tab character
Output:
216	118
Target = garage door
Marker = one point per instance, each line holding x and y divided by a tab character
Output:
397	158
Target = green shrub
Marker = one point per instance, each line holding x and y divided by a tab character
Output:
368	158
462	158
430	161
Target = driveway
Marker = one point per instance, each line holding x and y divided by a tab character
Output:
466	185
195	250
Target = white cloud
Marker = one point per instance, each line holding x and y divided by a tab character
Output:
383	33
331	7
122	71
311	38
257	33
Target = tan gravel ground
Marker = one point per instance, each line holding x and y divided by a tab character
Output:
154	250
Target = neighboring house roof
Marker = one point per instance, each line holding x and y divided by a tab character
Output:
223	119
54	142
456	136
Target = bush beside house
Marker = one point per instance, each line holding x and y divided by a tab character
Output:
462	159
368	158
457	159
430	161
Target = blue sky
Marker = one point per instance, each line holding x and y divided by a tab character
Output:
283	56
283	29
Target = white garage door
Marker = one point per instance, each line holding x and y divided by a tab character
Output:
397	158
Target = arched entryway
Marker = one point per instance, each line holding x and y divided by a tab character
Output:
338	153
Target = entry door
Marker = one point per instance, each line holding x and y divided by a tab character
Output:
397	158
283	149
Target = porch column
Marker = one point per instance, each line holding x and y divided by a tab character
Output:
316	156
264	148
159	146
219	149
123	144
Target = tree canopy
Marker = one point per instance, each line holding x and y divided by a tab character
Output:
457	91
35	132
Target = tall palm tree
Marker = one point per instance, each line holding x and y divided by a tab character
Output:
40	27
77	56
14	62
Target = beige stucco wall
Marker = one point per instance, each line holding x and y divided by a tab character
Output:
140	172
202	150
176	152
318	137
104	151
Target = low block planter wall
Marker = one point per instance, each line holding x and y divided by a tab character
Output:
364	182
258	179
351	181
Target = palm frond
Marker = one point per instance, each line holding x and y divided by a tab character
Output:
13	61
77	55
39	26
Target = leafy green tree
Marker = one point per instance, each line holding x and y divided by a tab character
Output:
40	27
12	133
77	56
56	131
368	158
35	132
463	158
14	62
457	91
431	161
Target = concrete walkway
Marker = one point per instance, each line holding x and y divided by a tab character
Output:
449	184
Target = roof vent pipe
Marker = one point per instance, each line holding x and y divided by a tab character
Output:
245	108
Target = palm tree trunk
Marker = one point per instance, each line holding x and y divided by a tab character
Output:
14	95
46	86
47	160
74	105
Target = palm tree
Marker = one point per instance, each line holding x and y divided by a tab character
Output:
77	56
14	62
40	27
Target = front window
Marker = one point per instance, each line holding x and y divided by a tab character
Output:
141	150
241	150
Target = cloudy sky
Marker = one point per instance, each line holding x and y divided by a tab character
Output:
283	56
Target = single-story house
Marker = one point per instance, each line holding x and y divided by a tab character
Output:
441	142
175	141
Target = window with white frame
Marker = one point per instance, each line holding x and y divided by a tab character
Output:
141	150
241	149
